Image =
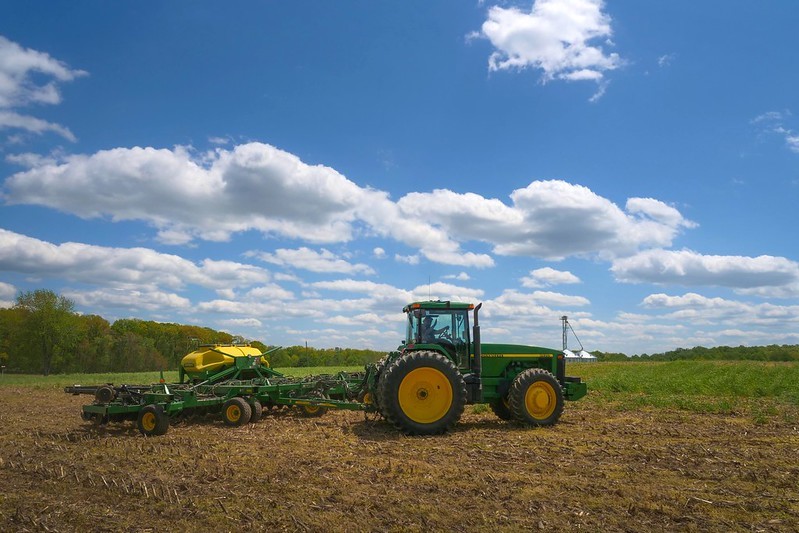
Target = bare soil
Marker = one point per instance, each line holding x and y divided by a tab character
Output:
599	469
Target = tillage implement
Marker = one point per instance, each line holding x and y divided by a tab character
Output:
421	388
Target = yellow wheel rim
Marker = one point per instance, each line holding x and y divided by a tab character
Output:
233	413
425	395
311	409
148	421
368	399
540	400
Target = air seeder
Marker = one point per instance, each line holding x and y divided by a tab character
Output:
421	388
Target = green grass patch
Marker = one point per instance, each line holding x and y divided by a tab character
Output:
701	386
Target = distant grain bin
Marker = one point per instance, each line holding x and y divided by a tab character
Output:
581	356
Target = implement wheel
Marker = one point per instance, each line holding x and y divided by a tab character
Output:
257	410
152	421
536	398
422	393
501	408
314	411
236	411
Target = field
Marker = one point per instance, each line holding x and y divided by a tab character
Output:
695	446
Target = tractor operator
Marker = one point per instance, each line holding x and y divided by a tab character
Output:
429	333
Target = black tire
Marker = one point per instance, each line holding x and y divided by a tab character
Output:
152	421
375	396
257	411
536	398
501	408
313	411
422	393
236	412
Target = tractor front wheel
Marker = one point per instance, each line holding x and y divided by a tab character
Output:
536	398
152	421
236	411
422	393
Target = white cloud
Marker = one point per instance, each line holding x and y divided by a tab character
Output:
544	277
269	292
8	294
140	299
550	219
555	36
666	60
235	323
463	276
253	186
702	310
773	122
11	120
258	187
379	253
307	259
30	77
777	276
409	259
7	291
561	300
119	266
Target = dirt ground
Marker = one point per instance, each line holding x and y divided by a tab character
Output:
599	469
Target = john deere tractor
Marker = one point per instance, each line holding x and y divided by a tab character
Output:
423	386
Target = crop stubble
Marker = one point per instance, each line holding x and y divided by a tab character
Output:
598	469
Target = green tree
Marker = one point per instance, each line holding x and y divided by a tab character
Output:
48	325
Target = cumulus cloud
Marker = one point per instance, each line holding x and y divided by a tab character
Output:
562	38
259	187
128	298
551	219
121	266
715	311
7	294
313	261
776	276
30	77
254	186
544	277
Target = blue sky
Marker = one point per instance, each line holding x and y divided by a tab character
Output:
298	171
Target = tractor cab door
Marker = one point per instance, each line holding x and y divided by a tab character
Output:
460	339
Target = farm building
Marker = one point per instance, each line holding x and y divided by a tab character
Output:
580	357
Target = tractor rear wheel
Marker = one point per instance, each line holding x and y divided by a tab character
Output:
536	398
152	421
422	393
236	411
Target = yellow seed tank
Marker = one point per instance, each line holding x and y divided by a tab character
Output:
212	358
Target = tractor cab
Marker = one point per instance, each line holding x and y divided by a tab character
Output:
441	326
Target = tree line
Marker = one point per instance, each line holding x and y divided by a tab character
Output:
772	352
42	333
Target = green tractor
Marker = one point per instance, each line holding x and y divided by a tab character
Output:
423	386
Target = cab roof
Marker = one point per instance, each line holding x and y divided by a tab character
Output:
437	304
